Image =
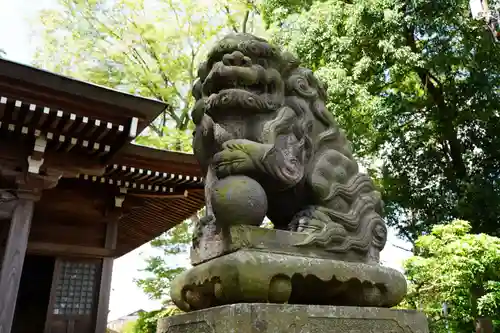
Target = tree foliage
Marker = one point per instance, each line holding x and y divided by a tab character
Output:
415	83
460	269
129	327
175	241
179	140
149	48
160	272
148	320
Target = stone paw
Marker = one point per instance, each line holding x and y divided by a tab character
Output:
235	158
310	220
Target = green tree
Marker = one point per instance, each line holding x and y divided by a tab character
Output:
170	140
129	327
148	320
173	242
415	83
149	48
460	269
159	270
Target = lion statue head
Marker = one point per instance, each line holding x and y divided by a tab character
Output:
246	73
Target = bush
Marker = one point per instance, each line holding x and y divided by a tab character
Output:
147	320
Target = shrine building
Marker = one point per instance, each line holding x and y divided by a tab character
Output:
75	194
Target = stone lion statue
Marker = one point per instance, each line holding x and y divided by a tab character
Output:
260	114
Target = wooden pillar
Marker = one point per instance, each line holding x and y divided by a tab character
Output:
13	260
105	286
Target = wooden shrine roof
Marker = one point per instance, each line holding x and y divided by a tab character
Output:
170	184
69	112
91	129
155	197
147	158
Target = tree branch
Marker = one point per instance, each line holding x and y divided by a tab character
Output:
231	21
133	55
401	248
245	21
408	236
445	115
148	46
155	129
253	6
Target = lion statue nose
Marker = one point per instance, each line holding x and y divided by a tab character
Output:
236	59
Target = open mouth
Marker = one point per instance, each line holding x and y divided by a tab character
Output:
257	88
251	88
253	79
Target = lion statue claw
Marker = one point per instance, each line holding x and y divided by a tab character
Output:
259	114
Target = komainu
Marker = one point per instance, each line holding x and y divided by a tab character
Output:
260	114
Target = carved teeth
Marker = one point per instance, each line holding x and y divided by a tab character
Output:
224	77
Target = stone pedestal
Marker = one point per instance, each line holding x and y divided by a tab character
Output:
285	318
254	265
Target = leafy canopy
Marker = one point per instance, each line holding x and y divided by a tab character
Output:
415	84
460	269
160	272
149	48
148	320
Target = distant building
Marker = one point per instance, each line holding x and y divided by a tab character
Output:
491	14
118	324
477	8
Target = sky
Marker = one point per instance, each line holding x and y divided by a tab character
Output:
17	41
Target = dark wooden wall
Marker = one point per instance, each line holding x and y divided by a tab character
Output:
67	231
43	305
34	294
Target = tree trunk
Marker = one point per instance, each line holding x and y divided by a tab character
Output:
484	325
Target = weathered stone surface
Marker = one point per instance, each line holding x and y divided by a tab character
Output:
239	200
274	318
268	146
260	276
258	114
238	237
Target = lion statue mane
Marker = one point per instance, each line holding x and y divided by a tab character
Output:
259	113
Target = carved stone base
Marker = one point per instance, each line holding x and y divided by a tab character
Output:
239	237
250	275
274	318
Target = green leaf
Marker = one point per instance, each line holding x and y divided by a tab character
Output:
415	84
458	268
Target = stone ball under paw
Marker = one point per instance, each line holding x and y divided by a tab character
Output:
239	200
